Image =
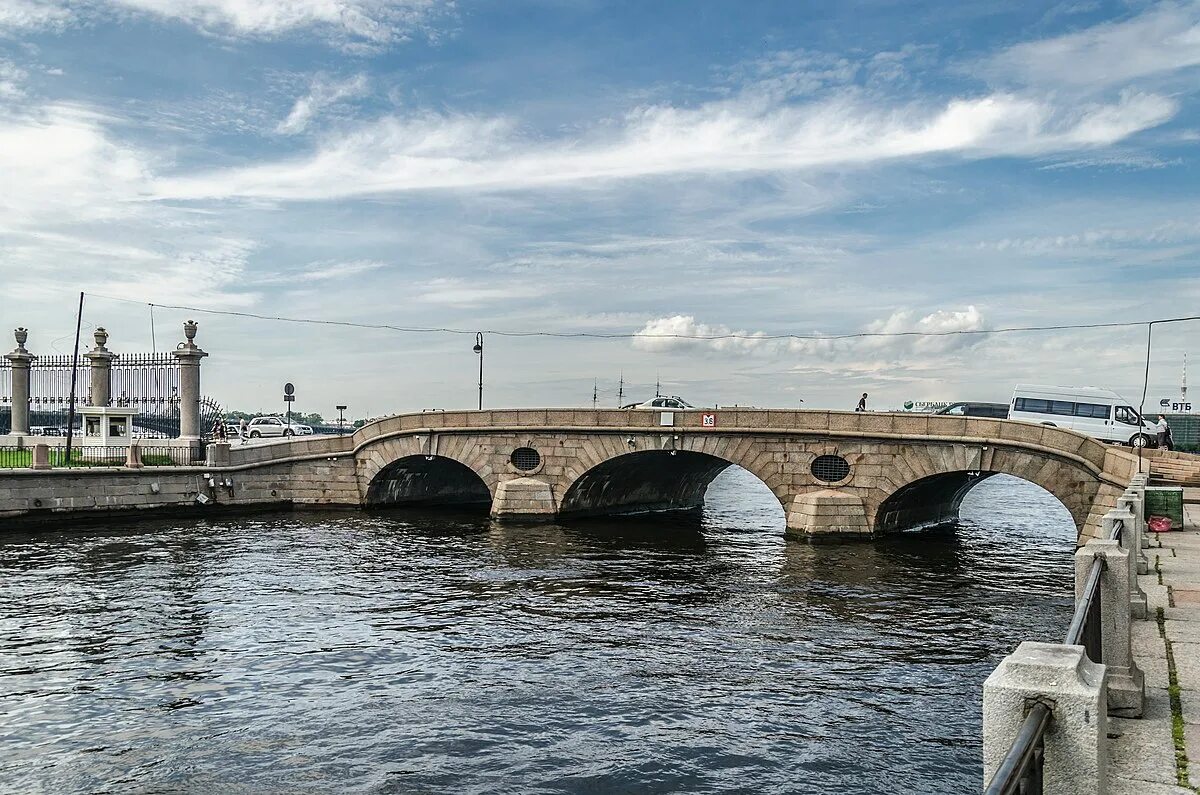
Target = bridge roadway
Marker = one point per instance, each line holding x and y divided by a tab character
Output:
877	472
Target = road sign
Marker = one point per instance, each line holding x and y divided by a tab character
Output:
289	398
288	389
708	420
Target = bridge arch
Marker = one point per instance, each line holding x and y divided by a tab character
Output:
658	474
929	483
427	480
421	469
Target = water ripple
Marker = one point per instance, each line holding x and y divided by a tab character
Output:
432	653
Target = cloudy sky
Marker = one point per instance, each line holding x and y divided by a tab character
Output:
693	167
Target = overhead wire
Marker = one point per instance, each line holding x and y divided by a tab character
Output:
654	334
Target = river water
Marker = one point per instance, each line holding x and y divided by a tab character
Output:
433	653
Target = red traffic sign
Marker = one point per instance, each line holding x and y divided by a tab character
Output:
708	420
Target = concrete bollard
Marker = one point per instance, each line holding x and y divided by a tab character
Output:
1128	542
1125	682
1062	677
41	457
133	458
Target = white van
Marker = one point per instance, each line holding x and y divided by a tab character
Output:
1100	413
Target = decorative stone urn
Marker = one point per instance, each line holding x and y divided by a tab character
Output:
22	335
101	337
189	331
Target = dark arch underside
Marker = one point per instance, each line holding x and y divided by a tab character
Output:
927	502
641	482
423	481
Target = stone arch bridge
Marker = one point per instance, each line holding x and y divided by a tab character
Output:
834	473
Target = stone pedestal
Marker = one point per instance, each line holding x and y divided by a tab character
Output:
1126	684
217	454
20	359
1063	678
133	459
1133	500
189	355
1130	544
524	498
100	369
827	513
41	457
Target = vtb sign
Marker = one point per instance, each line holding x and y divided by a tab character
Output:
1169	406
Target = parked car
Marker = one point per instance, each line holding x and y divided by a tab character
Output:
269	426
997	411
233	430
1100	413
661	402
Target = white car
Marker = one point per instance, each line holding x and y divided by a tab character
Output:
271	426
662	402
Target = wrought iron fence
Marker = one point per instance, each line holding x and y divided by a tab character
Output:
89	456
168	456
12	457
148	382
15	457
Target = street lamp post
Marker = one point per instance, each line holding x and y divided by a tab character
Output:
341	419
479	349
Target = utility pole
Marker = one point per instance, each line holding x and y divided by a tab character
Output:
621	391
657	385
595	392
74	371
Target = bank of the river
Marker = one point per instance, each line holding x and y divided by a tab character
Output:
409	652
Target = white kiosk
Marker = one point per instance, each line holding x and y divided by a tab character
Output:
107	426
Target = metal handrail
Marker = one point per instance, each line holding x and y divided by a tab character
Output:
1021	769
1083	608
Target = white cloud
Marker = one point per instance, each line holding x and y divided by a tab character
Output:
1163	39
744	134
355	24
682	333
59	161
455	292
11	79
25	15
323	93
324	271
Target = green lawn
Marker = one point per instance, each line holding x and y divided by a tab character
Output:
12	458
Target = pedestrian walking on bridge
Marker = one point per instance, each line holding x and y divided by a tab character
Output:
862	403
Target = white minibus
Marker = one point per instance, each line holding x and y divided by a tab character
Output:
1100	413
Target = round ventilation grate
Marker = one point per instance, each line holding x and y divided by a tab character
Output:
830	468
525	458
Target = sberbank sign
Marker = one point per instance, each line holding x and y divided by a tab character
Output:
925	405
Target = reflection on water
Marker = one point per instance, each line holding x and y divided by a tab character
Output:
434	653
